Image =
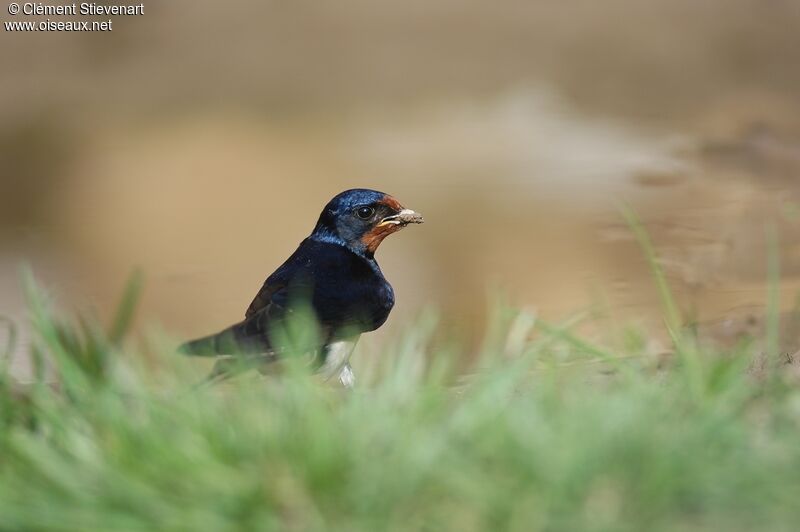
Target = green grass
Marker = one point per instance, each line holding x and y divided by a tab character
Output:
547	432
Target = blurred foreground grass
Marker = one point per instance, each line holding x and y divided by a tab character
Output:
548	432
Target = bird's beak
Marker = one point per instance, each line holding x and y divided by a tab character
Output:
402	218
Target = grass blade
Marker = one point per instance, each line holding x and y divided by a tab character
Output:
125	310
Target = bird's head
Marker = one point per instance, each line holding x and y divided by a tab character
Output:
361	218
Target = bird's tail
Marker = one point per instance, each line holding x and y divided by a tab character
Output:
245	337
206	346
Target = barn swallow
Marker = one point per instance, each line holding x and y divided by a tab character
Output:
336	271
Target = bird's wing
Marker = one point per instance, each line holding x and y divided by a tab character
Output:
250	335
274	289
264	296
268	308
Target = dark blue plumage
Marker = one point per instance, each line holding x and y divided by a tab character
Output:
335	270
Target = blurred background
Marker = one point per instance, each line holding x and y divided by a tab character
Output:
200	141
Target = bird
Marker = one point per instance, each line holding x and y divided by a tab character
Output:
334	273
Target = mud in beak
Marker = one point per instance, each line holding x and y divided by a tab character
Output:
402	218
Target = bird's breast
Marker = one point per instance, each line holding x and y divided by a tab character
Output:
349	291
385	303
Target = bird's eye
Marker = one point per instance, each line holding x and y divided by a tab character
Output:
365	212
